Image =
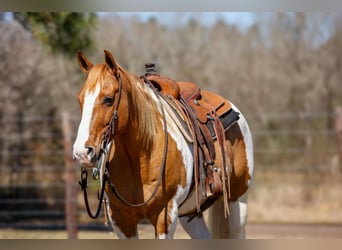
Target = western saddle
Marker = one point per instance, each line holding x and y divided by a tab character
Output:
201	111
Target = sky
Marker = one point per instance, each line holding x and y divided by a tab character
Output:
242	20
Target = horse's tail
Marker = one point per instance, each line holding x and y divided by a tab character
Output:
218	225
234	225
231	227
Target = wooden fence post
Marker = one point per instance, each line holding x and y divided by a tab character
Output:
70	179
339	133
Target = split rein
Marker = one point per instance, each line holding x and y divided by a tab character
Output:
103	160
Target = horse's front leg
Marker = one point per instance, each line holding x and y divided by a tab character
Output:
121	235
125	230
167	221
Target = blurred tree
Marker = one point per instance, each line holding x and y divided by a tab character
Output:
63	32
28	106
331	66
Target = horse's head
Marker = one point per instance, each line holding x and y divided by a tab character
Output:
100	102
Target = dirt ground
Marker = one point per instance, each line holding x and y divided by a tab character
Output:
253	231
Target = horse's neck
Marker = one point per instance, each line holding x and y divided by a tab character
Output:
129	144
130	159
132	142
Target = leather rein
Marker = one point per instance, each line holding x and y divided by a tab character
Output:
103	158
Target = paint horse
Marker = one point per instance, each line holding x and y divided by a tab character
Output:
149	159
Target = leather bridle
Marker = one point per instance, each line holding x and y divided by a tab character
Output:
109	134
103	157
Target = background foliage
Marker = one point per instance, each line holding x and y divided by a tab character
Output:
62	32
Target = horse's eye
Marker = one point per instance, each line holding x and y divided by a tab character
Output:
108	100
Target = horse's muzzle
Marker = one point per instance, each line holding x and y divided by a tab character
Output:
87	158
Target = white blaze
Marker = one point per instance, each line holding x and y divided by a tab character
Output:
83	129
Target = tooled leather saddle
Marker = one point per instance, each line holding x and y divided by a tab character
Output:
207	116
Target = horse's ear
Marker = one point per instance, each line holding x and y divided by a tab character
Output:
84	63
110	61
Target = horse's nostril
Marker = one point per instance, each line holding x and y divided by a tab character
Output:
91	151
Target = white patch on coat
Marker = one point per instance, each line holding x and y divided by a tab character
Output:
183	146
173	214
